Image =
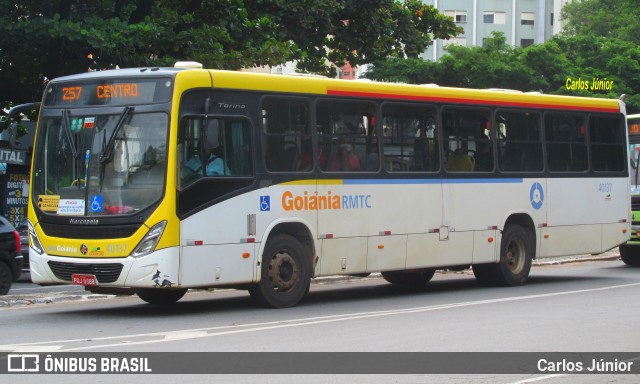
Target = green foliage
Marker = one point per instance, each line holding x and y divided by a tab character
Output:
549	67
616	19
53	38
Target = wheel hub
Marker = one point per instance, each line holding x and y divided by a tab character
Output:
283	271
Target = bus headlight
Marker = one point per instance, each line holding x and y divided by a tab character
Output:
33	239
149	242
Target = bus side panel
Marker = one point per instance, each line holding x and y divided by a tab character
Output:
387	253
485	246
586	200
614	235
578	211
428	250
214	243
343	256
218	264
570	240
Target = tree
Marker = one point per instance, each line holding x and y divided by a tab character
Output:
616	19
53	38
549	67
495	65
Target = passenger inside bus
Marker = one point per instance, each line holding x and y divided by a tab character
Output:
215	164
345	160
304	161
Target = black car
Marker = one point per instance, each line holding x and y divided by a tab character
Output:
11	259
23	231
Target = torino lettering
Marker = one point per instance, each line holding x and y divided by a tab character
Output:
314	201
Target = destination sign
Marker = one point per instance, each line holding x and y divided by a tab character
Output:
108	92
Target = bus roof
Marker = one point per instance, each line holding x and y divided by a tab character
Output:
407	92
362	89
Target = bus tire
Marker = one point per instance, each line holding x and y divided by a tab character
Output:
161	296
413	278
484	273
516	254
630	255
6	278
285	274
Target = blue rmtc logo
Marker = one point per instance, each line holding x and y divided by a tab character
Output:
536	195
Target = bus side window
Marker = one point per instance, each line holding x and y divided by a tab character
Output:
409	139
565	140
519	141
346	135
286	128
467	139
607	143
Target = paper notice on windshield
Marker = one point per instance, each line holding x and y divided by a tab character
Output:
71	207
49	202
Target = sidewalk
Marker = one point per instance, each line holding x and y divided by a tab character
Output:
57	297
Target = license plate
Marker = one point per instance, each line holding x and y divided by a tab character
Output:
89	280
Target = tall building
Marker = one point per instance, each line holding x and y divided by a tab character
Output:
523	22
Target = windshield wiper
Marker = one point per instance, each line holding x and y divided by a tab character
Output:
107	154
66	127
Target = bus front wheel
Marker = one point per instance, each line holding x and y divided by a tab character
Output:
285	274
161	296
516	254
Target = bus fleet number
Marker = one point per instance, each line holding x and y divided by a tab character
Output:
605	187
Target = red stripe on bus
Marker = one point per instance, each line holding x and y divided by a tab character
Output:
467	101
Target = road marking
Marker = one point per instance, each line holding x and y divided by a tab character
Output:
540	378
167	336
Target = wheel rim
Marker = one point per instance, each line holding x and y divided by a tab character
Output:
283	271
516	256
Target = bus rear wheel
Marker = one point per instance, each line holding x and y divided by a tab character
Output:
516	254
161	296
413	278
285	274
630	255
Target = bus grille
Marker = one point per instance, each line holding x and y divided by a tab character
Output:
105	273
98	232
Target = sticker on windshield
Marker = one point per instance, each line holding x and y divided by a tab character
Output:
48	202
71	207
89	122
96	204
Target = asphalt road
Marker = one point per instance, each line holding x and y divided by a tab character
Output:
588	306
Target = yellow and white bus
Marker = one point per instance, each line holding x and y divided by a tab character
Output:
153	181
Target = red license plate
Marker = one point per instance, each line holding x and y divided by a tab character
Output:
89	280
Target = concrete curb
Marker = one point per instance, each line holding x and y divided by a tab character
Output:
58	297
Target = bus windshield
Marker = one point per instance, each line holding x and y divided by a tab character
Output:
100	164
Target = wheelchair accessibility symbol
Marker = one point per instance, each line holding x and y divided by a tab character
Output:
536	195
265	203
96	203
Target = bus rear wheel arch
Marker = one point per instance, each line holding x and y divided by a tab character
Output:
285	273
516	255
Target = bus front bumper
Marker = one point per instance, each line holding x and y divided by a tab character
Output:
159	269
